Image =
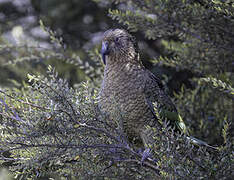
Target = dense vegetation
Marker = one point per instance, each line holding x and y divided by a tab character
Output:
50	124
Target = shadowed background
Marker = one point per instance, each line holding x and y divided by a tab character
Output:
80	24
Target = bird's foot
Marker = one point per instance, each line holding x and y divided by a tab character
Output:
140	151
146	154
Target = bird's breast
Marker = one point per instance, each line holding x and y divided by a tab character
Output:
122	96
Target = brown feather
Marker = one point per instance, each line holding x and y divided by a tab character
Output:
127	84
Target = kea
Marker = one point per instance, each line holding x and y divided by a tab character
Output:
133	92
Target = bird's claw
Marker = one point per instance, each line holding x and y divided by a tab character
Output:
146	154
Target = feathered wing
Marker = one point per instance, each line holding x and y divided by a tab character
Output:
156	95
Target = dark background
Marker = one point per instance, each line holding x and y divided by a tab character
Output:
80	24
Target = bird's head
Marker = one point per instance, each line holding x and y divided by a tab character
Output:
118	45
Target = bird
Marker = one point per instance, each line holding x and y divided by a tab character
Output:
132	95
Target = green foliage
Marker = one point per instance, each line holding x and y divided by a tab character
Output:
196	32
52	130
52	125
52	35
218	84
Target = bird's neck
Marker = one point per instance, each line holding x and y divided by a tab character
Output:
121	60
121	66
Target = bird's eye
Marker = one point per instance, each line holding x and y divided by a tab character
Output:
116	39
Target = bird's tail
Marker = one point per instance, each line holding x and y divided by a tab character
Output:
199	142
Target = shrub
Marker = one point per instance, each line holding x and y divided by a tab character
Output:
49	129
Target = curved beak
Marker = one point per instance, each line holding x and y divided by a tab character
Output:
104	51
